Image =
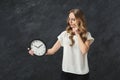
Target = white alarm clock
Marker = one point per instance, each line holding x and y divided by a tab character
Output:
38	47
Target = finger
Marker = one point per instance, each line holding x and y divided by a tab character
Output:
76	29
73	29
31	52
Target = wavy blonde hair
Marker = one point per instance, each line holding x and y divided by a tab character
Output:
79	15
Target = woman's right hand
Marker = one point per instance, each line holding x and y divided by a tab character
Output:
30	52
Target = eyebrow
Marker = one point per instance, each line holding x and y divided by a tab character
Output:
71	18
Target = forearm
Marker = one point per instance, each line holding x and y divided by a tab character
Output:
50	52
54	49
83	47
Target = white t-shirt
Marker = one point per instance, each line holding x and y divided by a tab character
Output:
73	60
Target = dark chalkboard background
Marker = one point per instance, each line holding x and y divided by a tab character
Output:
21	21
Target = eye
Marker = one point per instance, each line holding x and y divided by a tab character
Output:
73	19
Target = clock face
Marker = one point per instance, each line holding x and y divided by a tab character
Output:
38	47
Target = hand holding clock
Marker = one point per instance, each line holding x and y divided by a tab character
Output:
37	47
30	52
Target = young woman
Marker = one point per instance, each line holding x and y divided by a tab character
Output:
75	41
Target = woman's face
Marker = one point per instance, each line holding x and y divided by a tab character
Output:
72	20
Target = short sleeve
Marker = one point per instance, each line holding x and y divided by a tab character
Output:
89	37
60	37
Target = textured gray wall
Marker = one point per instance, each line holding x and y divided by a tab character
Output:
21	21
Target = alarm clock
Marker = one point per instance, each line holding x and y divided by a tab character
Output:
38	47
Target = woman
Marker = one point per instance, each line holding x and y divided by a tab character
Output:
75	41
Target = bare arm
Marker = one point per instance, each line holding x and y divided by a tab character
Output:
84	47
54	49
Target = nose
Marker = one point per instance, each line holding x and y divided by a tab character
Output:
70	21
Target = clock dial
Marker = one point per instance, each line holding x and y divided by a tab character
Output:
38	47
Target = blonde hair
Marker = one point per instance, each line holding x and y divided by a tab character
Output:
81	25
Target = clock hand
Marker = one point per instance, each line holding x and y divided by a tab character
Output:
40	45
36	46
